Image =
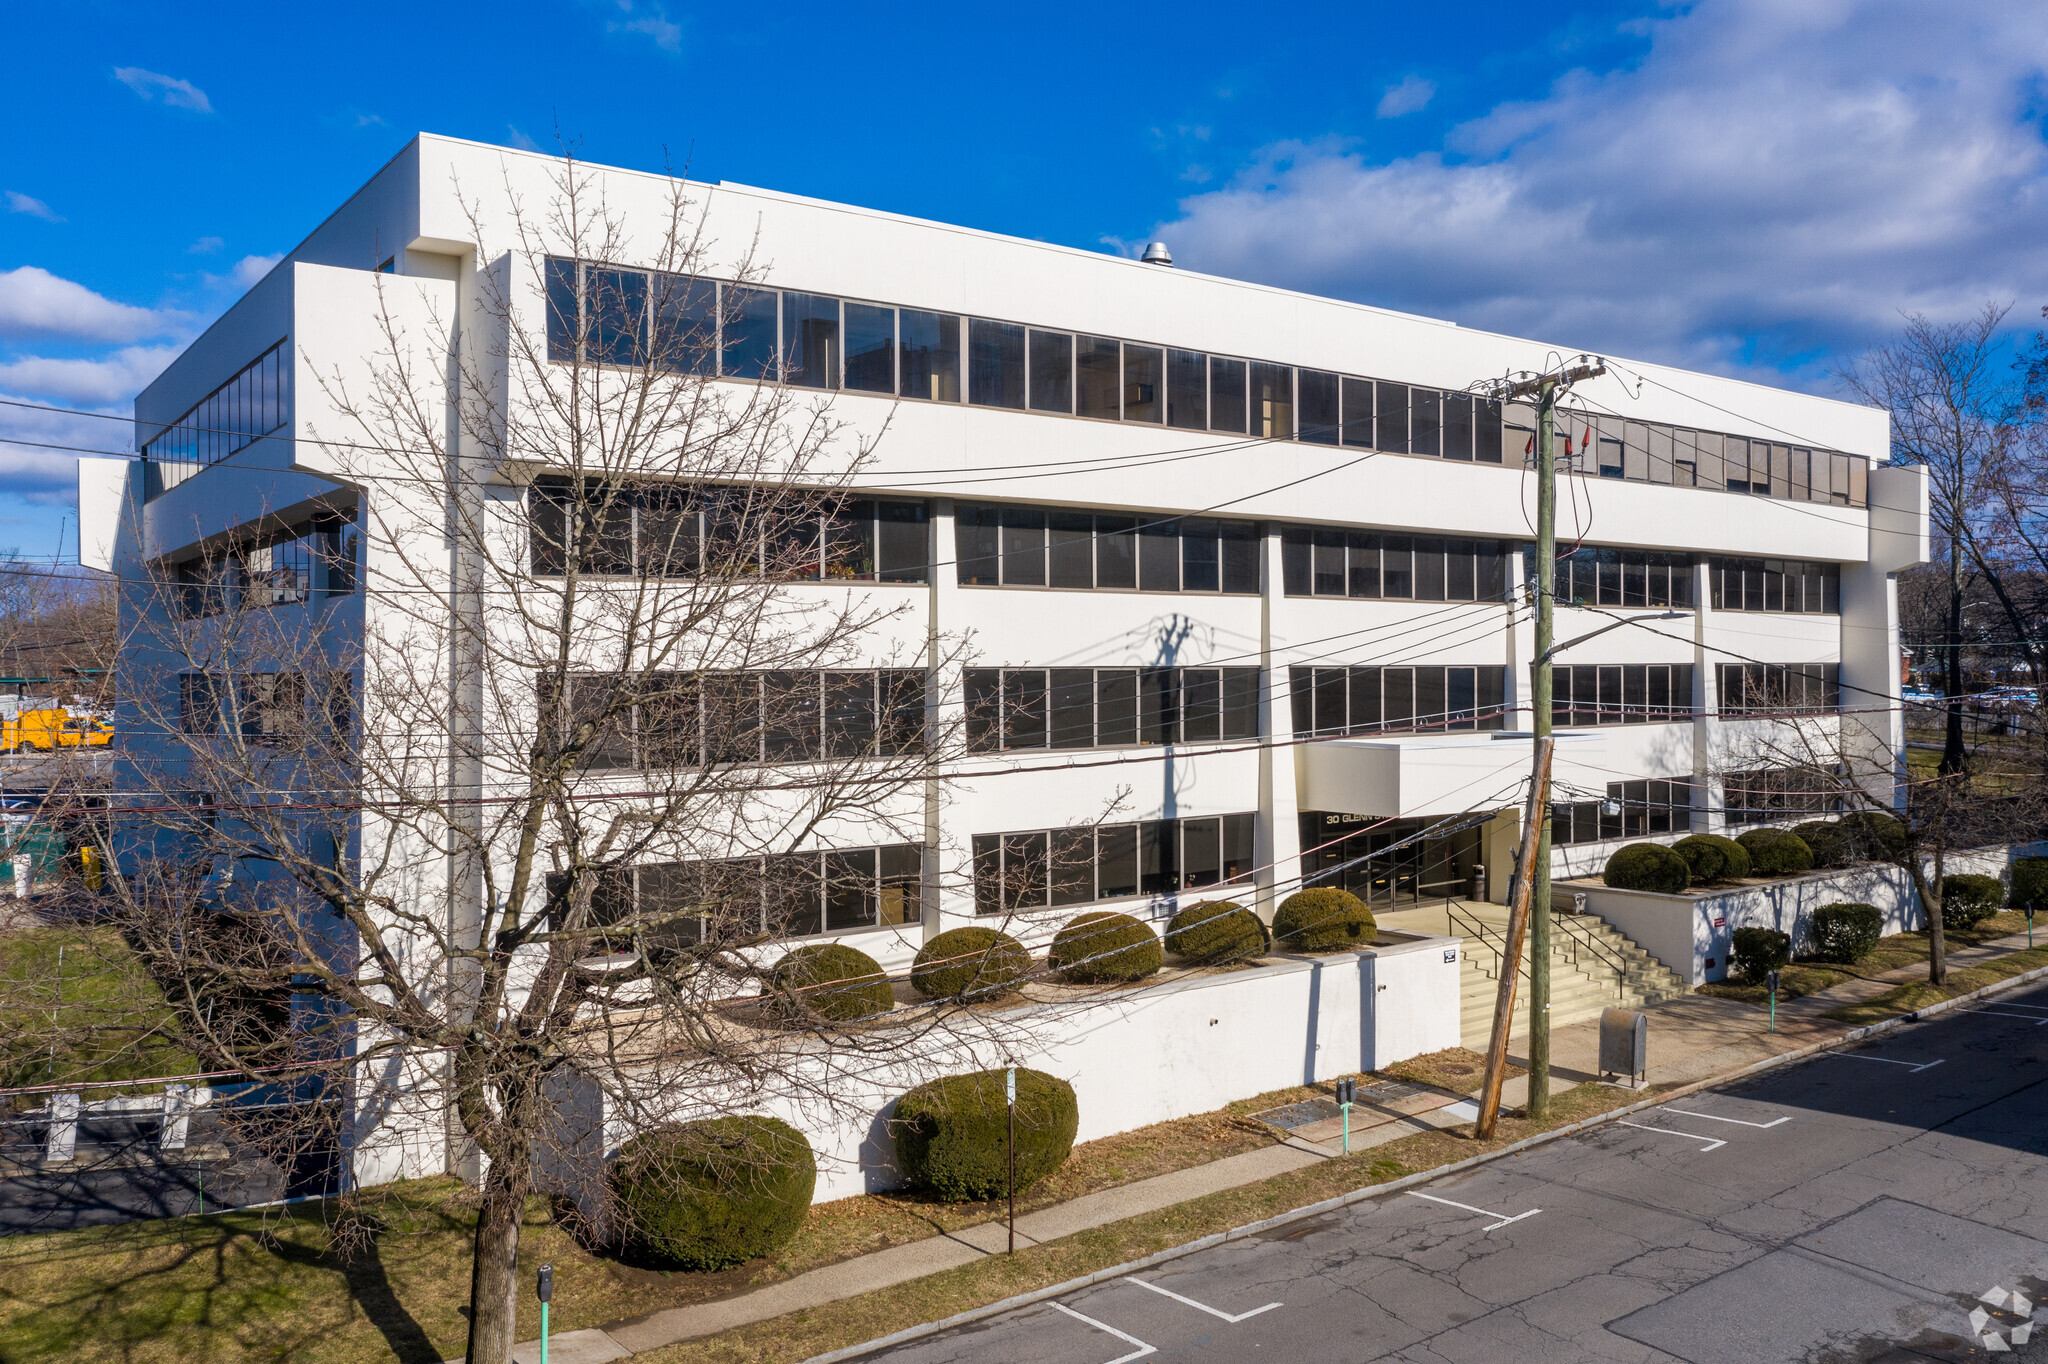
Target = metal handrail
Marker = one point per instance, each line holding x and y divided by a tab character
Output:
1580	936
1477	929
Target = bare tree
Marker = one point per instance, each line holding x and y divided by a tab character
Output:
1791	762
1948	389
528	765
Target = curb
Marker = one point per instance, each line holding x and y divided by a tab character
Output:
1854	1035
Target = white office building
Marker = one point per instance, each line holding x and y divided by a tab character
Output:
1244	567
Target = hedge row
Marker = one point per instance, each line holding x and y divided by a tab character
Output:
1862	836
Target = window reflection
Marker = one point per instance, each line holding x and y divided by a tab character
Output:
931	355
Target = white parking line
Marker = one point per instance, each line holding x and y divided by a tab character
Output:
2030	1008
1710	1117
1504	1218
1711	1142
1204	1307
1139	1353
1915	1066
2007	1013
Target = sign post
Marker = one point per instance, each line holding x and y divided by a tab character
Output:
1347	1095
544	1288
1012	1085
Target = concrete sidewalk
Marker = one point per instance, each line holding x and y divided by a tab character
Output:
1690	1039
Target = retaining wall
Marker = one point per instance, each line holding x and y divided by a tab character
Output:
1692	933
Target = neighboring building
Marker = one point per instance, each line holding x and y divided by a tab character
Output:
1186	519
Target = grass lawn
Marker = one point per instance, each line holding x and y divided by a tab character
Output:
80	1008
1898	950
270	1284
1918	994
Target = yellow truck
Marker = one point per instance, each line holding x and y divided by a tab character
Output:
44	729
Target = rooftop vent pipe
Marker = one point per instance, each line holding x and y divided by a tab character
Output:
1157	254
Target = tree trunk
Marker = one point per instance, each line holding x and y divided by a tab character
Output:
494	1271
1952	754
1929	891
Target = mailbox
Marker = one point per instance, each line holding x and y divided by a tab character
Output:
1624	1045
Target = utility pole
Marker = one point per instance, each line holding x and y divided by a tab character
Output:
1546	389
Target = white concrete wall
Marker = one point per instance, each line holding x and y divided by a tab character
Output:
1205	1041
1692	934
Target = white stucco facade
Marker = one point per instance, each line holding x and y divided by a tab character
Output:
408	251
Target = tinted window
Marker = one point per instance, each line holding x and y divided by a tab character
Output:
1052	372
749	350
931	355
1187	389
1226	395
811	330
1358	412
1390	429
1144	373
1272	401
996	363
870	348
685	313
618	307
563	317
1098	377
1318	400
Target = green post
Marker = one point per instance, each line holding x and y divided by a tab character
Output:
543	1333
1347	1127
544	1289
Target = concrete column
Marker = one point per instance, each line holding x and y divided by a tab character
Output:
1516	692
1277	843
1706	801
948	890
1874	726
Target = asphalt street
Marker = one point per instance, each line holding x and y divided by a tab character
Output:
1888	1204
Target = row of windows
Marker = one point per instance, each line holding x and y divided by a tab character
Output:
1633	809
1646	452
1056	868
1771	688
1333	701
265	708
1775	585
631	317
1609	575
673	720
1620	693
676	531
1030	547
1775	793
1326	562
787	895
256	402
1109	707
319	559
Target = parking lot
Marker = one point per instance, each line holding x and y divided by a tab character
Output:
1883	1204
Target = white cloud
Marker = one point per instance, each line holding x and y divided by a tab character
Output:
113	378
1412	94
521	140
179	94
650	21
35	473
205	246
249	269
35	302
34	208
1793	171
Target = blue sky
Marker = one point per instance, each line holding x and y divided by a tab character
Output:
1736	185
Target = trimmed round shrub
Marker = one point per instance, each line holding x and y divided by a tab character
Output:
710	1194
1103	947
1323	919
1846	932
1871	836
834	981
1647	866
1968	900
1713	858
1220	930
952	1135
1825	837
1756	952
1773	852
969	963
2029	883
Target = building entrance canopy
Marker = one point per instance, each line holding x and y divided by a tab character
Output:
1438	774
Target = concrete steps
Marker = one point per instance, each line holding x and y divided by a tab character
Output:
1593	966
